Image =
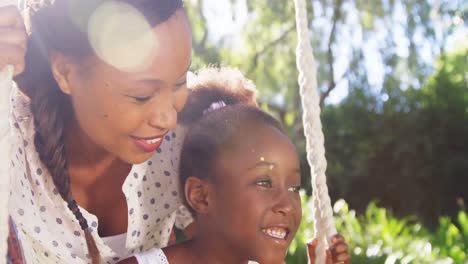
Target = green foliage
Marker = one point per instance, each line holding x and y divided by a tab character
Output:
379	237
400	150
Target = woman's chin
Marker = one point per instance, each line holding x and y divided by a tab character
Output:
136	158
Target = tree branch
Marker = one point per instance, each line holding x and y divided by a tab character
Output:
268	46
280	111
200	47
330	57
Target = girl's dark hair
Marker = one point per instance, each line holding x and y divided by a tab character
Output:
57	26
211	132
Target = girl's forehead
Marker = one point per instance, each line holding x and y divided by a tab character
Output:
262	144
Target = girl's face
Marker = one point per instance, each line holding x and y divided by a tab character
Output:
257	208
126	114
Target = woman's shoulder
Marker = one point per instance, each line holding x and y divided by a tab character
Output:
20	113
166	157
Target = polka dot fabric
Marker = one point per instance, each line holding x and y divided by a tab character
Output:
47	229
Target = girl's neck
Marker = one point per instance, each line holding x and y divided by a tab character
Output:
203	249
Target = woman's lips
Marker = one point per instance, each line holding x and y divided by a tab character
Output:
149	144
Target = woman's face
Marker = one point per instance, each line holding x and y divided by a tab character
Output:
126	114
257	208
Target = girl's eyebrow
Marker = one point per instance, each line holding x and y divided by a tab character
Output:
262	162
270	165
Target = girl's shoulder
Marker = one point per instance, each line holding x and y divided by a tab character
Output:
153	256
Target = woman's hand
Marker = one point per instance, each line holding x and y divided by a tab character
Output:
336	254
13	38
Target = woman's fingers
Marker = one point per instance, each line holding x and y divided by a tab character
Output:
10	17
11	54
13	38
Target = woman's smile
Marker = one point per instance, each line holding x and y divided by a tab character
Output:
149	144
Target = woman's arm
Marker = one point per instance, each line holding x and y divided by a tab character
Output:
12	50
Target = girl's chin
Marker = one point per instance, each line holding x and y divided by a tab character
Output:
276	261
271	259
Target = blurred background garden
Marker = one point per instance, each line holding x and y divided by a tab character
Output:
393	78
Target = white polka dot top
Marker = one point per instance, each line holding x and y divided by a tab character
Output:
47	229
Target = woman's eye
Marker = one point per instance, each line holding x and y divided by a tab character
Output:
181	85
141	99
295	189
264	183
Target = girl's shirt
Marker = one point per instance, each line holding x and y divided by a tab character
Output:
47	229
157	256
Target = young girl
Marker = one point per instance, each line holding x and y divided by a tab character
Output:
240	178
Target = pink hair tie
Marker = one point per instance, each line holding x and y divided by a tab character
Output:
214	106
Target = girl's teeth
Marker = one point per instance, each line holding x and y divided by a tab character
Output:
152	141
275	233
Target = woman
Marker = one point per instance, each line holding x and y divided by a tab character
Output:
94	174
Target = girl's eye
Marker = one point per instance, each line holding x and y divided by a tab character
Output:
264	183
295	189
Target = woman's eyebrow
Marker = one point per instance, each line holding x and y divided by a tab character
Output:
150	82
156	82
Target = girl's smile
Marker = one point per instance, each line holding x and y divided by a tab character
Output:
277	234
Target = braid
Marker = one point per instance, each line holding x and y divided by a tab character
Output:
50	109
49	139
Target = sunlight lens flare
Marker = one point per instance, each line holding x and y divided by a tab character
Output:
121	36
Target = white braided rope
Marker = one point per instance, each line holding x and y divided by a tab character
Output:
6	82
324	223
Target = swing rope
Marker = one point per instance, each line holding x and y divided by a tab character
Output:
324	224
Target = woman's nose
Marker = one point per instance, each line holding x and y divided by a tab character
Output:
164	116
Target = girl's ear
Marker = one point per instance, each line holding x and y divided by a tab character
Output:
197	193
